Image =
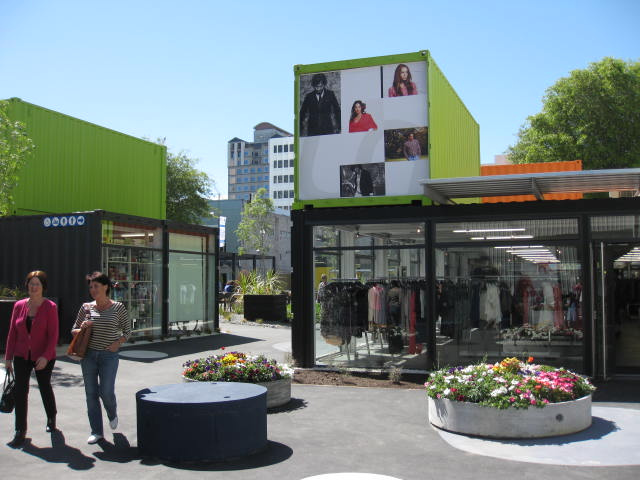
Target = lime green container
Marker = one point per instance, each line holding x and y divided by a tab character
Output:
79	166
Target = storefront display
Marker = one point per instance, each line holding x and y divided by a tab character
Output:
164	273
427	287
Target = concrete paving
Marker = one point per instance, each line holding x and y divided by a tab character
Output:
324	430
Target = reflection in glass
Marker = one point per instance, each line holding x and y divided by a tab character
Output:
370	308
509	301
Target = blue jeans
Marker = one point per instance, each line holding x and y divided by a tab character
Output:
99	368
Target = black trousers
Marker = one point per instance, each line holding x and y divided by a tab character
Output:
22	370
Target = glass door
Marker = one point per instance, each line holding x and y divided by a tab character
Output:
616	308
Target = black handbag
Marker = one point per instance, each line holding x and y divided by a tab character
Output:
7	402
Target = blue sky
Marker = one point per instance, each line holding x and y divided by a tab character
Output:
202	72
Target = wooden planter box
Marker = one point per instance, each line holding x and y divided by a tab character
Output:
267	307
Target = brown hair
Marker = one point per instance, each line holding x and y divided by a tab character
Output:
100	277
41	276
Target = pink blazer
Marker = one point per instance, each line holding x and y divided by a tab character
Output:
42	340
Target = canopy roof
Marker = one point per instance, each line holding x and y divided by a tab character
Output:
443	190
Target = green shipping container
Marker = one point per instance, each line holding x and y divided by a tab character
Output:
78	166
377	127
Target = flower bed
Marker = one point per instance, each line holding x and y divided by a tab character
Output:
458	397
240	367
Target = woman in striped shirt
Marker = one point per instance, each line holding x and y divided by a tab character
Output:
110	328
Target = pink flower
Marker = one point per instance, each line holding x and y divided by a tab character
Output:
512	399
533	401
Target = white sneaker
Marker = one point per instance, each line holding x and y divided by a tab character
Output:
93	438
113	423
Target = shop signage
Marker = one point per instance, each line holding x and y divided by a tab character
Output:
64	221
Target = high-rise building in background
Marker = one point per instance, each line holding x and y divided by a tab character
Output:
281	155
249	163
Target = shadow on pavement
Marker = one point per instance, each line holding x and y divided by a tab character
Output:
120	451
293	405
274	453
177	348
60	452
599	428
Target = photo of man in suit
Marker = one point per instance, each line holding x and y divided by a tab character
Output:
320	111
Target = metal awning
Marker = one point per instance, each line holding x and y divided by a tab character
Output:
443	190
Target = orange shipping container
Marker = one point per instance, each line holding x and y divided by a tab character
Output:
514	169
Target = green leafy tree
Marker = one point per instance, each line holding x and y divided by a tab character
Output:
15	147
187	189
592	115
256	226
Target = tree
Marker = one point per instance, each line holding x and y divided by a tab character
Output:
187	189
256	225
15	147
592	115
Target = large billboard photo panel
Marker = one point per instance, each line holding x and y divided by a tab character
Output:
362	122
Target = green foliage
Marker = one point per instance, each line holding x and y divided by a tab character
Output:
15	148
256	226
593	115
187	189
254	283
15	292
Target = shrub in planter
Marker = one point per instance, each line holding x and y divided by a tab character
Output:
240	367
510	383
235	367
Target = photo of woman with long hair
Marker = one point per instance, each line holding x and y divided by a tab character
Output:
402	83
361	121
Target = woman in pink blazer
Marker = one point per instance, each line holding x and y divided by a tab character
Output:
31	344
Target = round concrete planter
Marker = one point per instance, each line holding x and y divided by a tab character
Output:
278	391
473	419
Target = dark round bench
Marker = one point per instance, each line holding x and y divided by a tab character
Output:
201	421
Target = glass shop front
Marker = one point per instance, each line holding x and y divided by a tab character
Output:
435	291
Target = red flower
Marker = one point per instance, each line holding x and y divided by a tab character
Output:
530	360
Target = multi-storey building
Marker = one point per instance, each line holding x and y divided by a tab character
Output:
248	162
281	155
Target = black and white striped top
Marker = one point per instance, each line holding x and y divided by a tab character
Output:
108	325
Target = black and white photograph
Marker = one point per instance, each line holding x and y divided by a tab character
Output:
362	180
320	104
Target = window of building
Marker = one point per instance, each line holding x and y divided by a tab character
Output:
279	193
291	147
275	194
291	194
275	179
286	194
275	163
286	148
280	179
275	149
279	148
279	163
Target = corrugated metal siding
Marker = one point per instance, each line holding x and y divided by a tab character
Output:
454	135
542	167
66	254
79	166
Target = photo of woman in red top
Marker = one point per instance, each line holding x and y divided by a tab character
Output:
31	344
360	121
402	84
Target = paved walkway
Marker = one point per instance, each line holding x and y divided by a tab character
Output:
324	430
